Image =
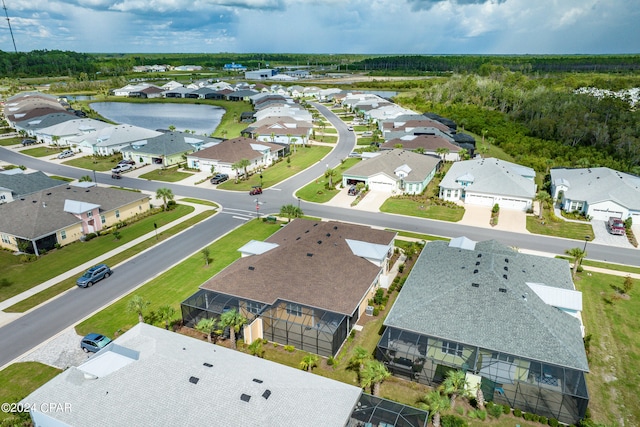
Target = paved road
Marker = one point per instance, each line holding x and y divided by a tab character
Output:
48	320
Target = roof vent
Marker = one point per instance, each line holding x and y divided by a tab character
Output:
504	276
298	238
208	365
319	242
506	260
315	225
86	191
266	394
309	254
477	262
194	380
245	397
506	268
475	285
48	194
251	268
34	201
475	271
479	255
503	290
335	227
255	380
307	231
328	234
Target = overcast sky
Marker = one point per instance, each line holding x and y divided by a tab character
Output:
325	26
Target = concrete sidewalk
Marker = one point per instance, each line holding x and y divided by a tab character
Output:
9	317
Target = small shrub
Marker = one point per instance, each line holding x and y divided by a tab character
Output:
452	421
552	422
25	258
527	416
289	348
352	334
496	208
331	361
401	268
90	236
506	409
275	344
57	245
495	411
378	296
482	414
517	412
376	311
542	420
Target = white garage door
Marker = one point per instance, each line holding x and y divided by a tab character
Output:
478	199
380	185
515	204
604	215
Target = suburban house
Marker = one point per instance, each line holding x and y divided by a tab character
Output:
179	380
60	133
487	182
434	145
33	125
222	156
15	184
285	132
306	285
511	321
394	171
65	214
110	140
167	149
148	92
599	193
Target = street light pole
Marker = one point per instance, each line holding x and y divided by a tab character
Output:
586	239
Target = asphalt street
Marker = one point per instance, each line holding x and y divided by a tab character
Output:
49	319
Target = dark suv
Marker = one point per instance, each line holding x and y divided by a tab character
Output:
94	274
28	141
219	178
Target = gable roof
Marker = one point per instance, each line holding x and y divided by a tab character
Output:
167	144
20	184
179	380
45	121
440	299
595	185
492	176
115	135
232	150
312	265
388	161
428	142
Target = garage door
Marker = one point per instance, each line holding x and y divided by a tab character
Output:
515	204
604	215
377	185
478	199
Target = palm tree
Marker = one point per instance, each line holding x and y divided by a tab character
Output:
442	152
578	255
543	198
137	304
236	167
164	194
172	128
244	163
55	139
435	403
309	362
373	374
419	150
454	385
85	178
206	326
290	211
330	173
234	321
295	145
255	348
463	153
360	355
166	313
206	252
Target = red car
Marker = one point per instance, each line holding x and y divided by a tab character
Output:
255	190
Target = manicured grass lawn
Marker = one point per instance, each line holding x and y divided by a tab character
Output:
17	381
305	157
329	139
330	130
61	178
419	236
18	276
421	209
364	140
11	141
175	285
558	227
614	357
96	163
199	201
166	175
57	289
42	151
315	191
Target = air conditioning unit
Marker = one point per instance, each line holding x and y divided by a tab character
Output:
369	310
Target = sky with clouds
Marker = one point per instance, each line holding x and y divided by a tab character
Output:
325	26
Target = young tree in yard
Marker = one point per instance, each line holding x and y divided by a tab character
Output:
309	362
454	385
234	321
206	255
330	173
85	178
138	305
236	167
442	152
244	163
578	255
543	198
165	194
206	326
255	348
373	374
435	403
356	362
166	313
290	211
628	285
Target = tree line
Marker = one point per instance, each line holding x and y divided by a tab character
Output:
46	63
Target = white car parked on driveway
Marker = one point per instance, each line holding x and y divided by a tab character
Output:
122	168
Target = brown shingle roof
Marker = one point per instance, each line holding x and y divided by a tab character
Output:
313	265
233	150
428	142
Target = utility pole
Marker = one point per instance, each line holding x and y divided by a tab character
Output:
4	6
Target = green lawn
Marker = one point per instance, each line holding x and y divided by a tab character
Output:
17	276
11	141
315	190
365	140
419	236
17	381
42	151
199	201
166	175
305	157
329	139
96	163
175	285
421	209
558	227
330	130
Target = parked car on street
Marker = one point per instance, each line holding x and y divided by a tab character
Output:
121	168
219	178
93	275
94	342
255	190
65	154
28	141
616	226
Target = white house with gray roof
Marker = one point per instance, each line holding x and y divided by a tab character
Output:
111	139
600	193
394	171
487	182
511	321
61	133
178	380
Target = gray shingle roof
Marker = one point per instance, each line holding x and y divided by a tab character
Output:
388	161
438	300
599	184
154	388
492	176
166	144
45	121
22	184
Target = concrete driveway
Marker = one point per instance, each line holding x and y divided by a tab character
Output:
509	220
603	237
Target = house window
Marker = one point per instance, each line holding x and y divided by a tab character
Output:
294	309
452	348
63	234
117	214
253	307
503	357
448	193
103	219
5	239
89	214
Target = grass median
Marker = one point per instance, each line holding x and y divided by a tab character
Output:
316	192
